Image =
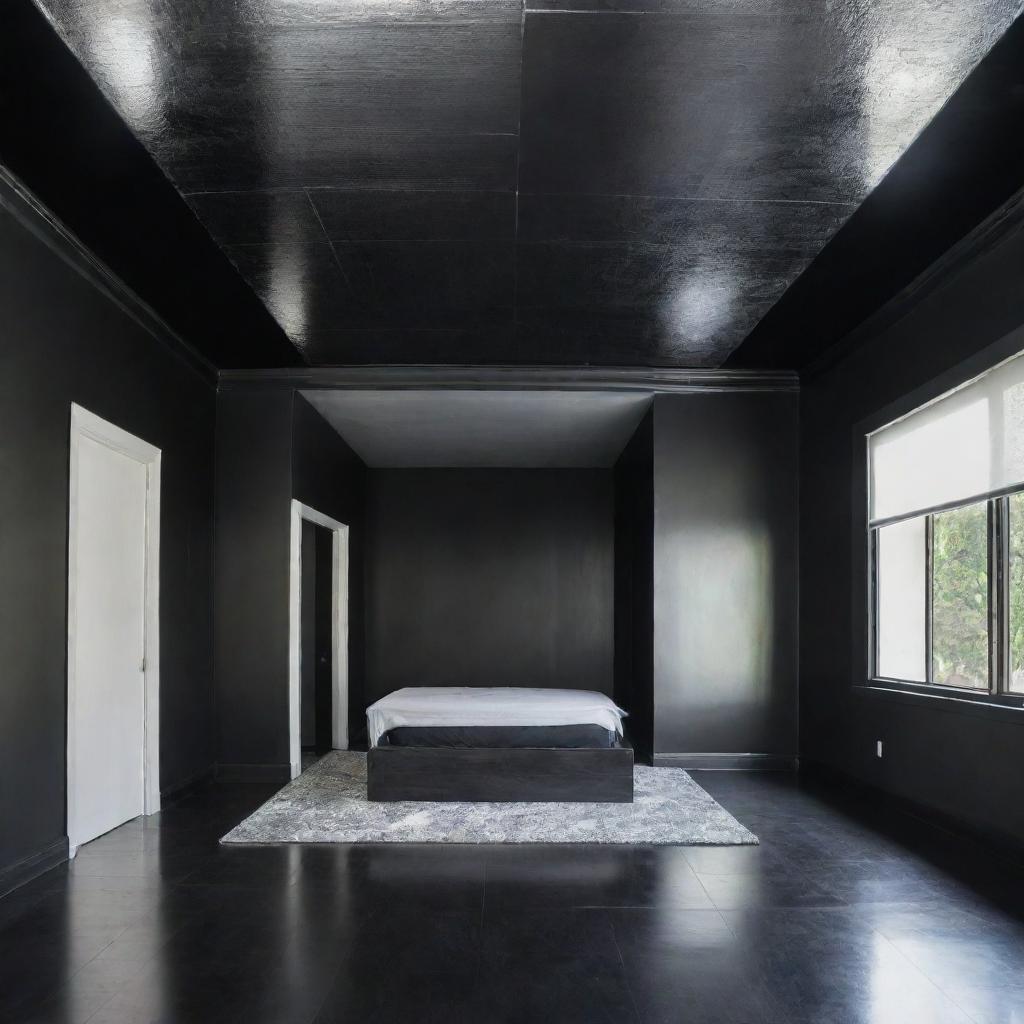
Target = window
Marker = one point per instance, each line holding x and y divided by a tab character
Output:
946	541
902	580
959	597
1015	515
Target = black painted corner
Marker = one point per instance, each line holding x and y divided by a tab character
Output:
634	587
65	141
272	446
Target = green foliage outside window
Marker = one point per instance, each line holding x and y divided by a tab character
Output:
960	594
1016	530
960	641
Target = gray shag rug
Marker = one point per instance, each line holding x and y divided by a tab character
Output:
327	804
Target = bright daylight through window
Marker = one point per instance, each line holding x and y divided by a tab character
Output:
946	540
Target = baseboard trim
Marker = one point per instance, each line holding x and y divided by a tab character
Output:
727	762
180	790
1007	845
254	772
32	866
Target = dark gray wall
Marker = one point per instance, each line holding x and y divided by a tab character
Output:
634	586
253	524
960	761
273	446
725	573
500	577
66	341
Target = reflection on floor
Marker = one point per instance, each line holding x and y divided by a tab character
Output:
843	916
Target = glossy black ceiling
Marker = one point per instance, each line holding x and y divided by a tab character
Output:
585	181
965	167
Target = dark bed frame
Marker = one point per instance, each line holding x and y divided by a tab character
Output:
503	774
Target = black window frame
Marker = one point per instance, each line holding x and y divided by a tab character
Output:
999	677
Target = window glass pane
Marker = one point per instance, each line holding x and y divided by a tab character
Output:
960	592
902	604
1016	588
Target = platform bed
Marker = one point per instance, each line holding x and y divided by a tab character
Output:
431	754
527	774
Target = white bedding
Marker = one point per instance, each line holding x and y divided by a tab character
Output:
419	706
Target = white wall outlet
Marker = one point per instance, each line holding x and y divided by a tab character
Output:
878	748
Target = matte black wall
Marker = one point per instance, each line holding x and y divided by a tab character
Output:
253	527
960	761
500	577
66	341
725	573
273	446
634	586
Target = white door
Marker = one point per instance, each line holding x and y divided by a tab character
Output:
106	726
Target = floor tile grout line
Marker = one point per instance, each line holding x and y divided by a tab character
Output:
625	971
924	974
70	980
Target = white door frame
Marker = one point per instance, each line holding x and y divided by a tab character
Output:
87	424
339	632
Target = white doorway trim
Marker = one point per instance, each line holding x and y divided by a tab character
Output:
85	424
339	632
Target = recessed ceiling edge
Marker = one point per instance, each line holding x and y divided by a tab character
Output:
657	380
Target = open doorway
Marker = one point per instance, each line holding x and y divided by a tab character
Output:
315	655
318	636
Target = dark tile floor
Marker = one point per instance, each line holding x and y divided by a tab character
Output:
844	915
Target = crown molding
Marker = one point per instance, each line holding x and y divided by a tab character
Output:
509	378
1004	221
19	201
